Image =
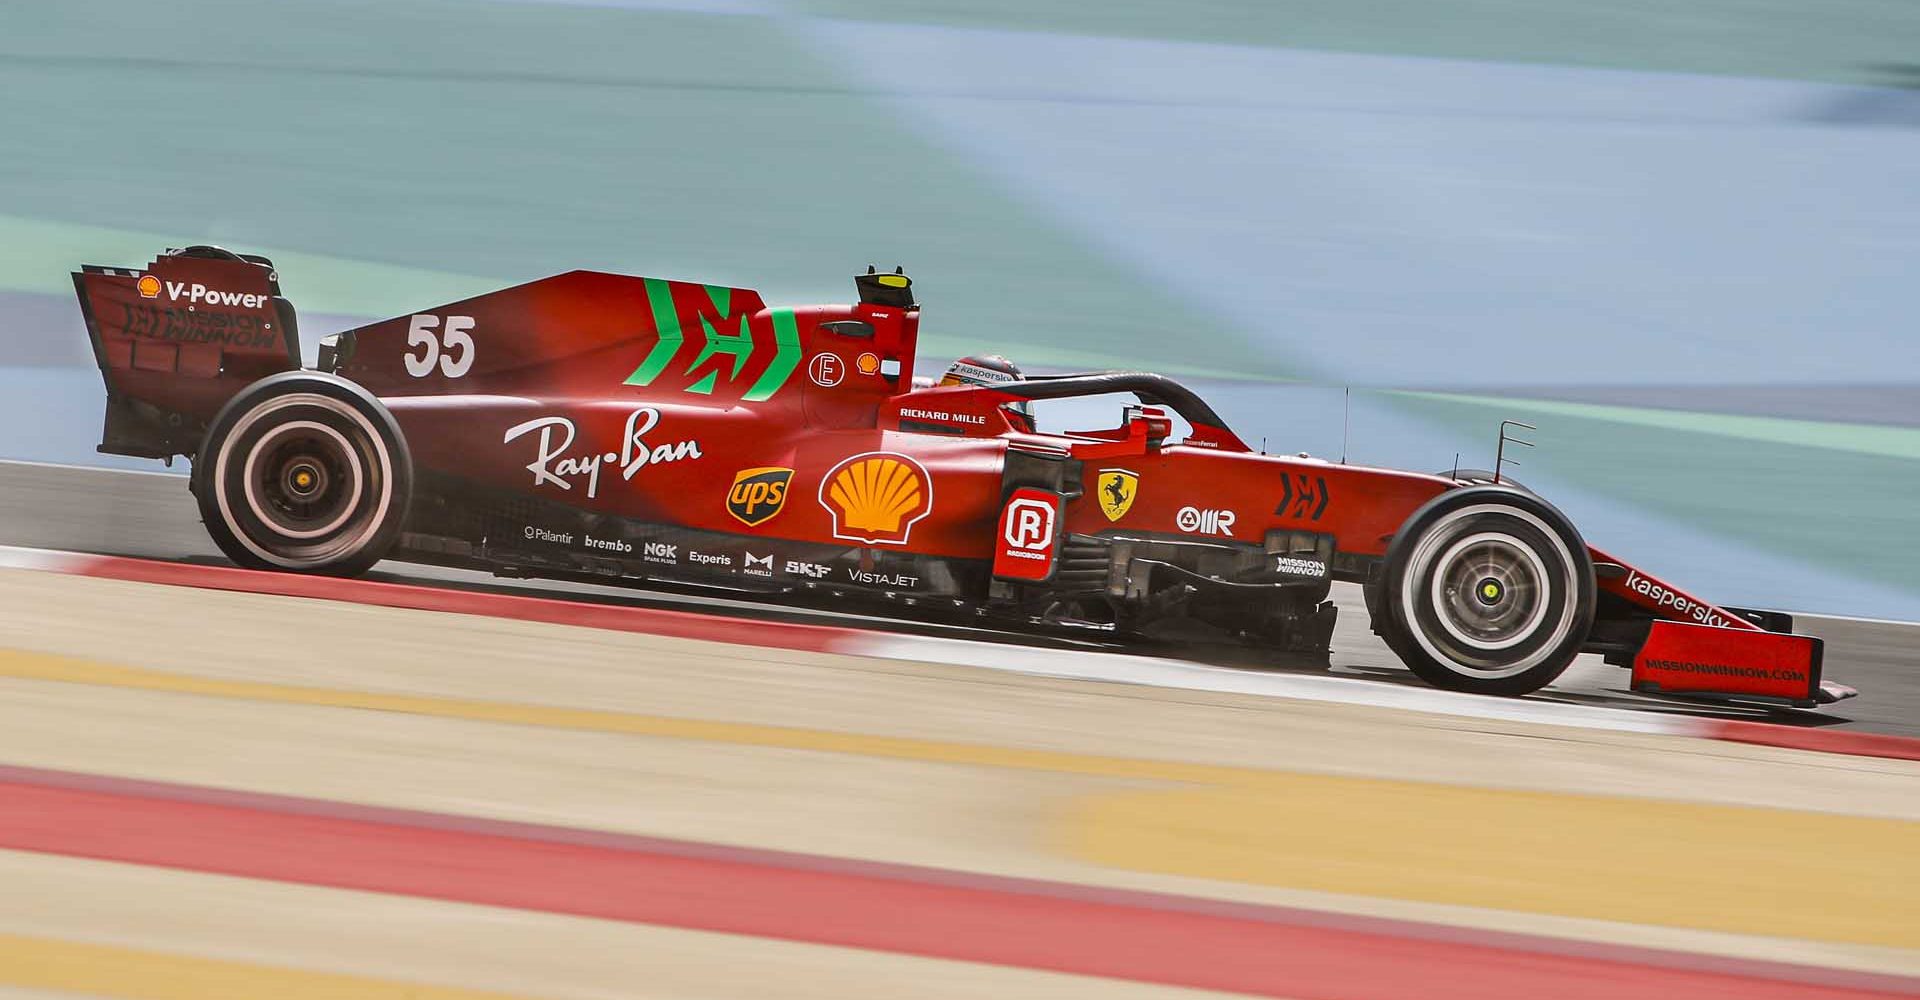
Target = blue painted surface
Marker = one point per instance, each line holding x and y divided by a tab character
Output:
1386	220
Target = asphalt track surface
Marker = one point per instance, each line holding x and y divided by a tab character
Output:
152	516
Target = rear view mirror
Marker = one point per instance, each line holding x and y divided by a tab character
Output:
1149	422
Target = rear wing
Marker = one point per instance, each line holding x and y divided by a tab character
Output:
176	340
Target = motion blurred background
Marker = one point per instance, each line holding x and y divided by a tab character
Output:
1680	238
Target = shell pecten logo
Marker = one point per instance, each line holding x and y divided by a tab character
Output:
148	286
877	497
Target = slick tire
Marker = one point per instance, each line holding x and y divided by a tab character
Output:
1488	590
304	472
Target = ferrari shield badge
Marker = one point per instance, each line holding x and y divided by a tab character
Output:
1117	487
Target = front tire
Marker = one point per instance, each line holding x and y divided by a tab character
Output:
1488	590
304	472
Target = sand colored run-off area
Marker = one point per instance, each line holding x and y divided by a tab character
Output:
1593	840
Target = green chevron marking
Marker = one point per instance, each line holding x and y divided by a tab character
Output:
738	344
667	323
786	335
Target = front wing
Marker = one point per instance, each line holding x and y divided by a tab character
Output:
1696	648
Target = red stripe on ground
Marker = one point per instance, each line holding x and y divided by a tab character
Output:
1823	740
619	618
885	908
1136	898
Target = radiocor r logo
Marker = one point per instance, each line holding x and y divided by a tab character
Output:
1029	524
1027	539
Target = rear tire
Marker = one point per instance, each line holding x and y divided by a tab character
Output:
304	472
1488	590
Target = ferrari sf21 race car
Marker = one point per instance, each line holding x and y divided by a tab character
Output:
624	429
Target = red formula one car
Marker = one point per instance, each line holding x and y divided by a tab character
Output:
612	428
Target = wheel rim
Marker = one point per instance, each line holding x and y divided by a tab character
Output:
304	481
1489	591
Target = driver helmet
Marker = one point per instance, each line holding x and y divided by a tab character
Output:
989	370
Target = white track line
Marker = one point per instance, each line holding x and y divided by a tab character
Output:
43	560
1164	673
1122	668
69	466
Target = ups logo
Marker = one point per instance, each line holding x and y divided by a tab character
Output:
758	494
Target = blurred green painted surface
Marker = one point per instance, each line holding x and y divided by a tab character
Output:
1840	496
508	142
